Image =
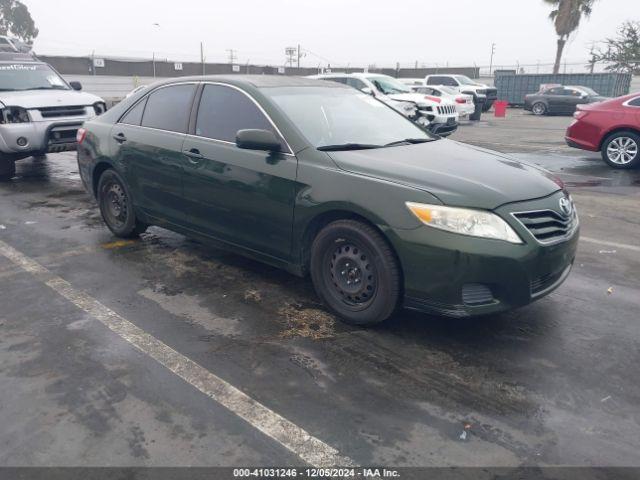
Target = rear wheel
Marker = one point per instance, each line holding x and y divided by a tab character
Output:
539	108
7	169
622	150
116	206
355	272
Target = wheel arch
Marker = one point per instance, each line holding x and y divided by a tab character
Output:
615	130
322	219
100	167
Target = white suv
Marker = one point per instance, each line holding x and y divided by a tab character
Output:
464	84
439	117
39	111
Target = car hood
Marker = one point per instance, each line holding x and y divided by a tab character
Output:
47	98
458	174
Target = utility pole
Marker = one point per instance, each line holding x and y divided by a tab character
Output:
154	64
299	55
493	52
232	55
202	59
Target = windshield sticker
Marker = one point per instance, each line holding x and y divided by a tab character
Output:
55	80
18	66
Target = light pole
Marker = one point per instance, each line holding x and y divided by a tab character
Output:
493	51
157	25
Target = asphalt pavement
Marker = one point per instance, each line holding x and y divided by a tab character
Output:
165	352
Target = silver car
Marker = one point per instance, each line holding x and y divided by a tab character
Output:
39	111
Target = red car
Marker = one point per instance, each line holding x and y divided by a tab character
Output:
611	127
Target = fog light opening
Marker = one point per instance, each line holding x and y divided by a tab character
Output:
22	142
476	294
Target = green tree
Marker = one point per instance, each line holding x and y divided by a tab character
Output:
16	21
622	53
566	17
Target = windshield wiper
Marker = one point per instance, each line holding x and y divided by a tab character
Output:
410	141
348	146
47	88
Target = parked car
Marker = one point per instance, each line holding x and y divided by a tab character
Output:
440	117
39	111
560	99
481	93
611	127
464	102
322	179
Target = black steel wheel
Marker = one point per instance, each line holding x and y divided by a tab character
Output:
116	206
355	272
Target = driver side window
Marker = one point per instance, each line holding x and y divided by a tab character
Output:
224	110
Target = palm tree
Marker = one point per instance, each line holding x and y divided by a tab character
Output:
566	17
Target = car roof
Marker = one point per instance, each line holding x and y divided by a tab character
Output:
258	81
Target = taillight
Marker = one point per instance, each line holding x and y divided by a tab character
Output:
460	100
433	99
81	135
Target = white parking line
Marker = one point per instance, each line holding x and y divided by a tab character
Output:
610	244
310	449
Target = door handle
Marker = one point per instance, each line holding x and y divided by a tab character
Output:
120	138
194	155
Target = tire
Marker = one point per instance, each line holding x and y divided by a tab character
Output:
7	170
539	108
622	150
355	272
116	206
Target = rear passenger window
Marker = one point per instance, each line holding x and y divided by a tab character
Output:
356	83
224	110
635	102
134	116
169	108
434	81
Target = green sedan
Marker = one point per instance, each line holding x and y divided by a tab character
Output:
323	180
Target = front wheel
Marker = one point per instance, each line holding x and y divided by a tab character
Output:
355	272
622	150
116	206
539	108
7	170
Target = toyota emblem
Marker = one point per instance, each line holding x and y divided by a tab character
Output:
566	207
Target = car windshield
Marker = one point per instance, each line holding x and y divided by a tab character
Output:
344	117
388	85
29	76
464	80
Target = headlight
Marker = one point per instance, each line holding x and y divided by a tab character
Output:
14	115
100	107
476	223
407	108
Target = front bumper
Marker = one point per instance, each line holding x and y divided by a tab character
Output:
443	129
43	136
459	276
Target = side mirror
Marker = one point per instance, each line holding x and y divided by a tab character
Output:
367	90
258	140
77	86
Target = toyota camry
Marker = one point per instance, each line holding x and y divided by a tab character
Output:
323	180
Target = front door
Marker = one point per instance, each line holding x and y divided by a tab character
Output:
149	142
244	197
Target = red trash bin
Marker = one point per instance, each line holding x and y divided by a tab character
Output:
500	107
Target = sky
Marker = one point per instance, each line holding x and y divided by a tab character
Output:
339	32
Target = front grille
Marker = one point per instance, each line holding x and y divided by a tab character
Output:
476	294
446	110
56	112
548	226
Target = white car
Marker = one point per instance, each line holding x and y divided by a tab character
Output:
464	84
464	102
439	116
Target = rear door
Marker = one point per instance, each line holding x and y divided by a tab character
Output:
555	99
244	197
148	141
